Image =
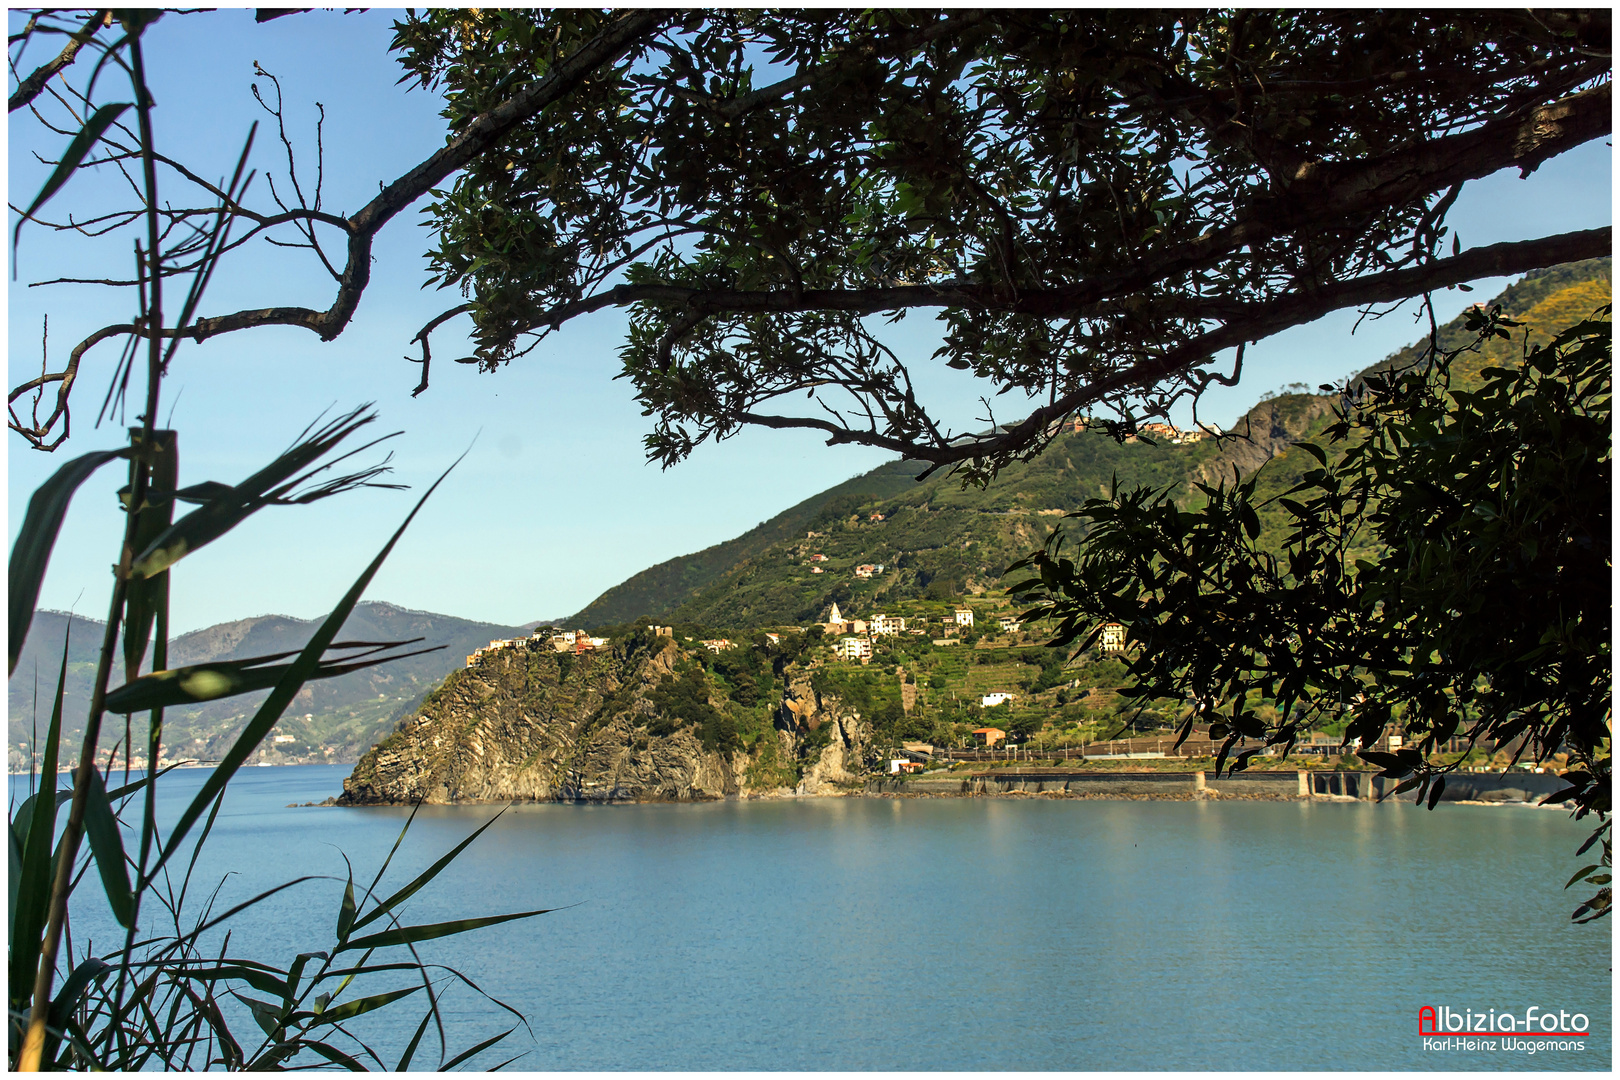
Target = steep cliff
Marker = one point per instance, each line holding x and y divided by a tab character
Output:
607	726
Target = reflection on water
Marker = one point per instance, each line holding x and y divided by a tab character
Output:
956	934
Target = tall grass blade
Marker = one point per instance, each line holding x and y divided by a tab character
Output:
410	1047
107	847
385	906
398	840
409	935
255	975
332	1053
231	506
289	685
470	1051
226	678
31	554
72	158
143	596
345	919
33	885
349	1010
73	987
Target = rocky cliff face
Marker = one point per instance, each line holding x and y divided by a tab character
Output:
535	725
1270	428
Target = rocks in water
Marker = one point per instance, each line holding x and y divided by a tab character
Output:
532	724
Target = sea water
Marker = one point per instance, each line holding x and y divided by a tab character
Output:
945	934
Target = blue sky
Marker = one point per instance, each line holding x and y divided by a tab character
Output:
555	502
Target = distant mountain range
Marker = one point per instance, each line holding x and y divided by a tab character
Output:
933	540
345	715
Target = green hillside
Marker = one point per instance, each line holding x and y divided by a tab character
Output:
937	541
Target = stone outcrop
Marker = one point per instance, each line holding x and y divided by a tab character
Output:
535	725
1270	428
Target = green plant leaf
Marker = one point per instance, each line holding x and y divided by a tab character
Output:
470	1051
143	597
72	988
385	906
33	883
31	554
230	506
226	678
1582	872
410	935
87	137
101	827
345	919
287	688
255	975
410	1047
332	1053
350	1009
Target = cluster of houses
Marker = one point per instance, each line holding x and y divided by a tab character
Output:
1171	434
1157	432
567	641
854	637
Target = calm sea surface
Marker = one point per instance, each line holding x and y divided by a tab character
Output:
946	934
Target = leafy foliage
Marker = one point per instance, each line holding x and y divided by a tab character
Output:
1083	193
1483	610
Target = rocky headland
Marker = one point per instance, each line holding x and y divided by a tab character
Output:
529	724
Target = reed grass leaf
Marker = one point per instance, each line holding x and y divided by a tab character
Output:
333	1054
33	882
107	846
144	596
296	972
65	795
254	975
385	906
225	678
350	1009
275	483
345	919
287	688
73	987
410	1047
270	1018
31	554
410	935
72	158
465	1054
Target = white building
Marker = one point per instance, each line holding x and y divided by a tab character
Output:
964	617
884	625
1010	625
1112	638
990	701
854	648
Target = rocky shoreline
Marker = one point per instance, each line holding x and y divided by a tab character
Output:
533	725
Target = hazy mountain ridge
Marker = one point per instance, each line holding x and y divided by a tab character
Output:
346	714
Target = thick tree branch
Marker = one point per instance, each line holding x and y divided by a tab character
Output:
29	88
1261	320
606	48
1321	192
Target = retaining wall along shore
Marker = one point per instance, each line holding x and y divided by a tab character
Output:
1475	787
